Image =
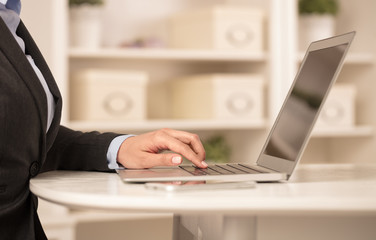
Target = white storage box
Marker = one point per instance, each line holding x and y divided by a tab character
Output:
220	27
108	95
339	108
218	96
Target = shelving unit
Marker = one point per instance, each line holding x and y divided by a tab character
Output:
187	62
113	54
277	63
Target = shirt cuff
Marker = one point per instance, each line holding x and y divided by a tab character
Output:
113	150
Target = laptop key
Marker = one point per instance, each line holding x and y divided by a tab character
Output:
255	168
244	168
218	169
193	170
234	170
210	171
221	170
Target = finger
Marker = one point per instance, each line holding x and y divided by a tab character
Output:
181	147
193	140
163	159
148	160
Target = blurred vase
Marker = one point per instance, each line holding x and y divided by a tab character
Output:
313	27
85	26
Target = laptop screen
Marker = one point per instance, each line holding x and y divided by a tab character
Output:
293	126
304	101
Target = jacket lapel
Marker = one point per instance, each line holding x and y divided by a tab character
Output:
16	57
32	50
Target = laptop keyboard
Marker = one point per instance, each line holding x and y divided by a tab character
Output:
220	169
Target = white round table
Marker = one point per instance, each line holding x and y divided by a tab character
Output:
312	190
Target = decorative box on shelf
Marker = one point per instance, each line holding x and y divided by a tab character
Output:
218	96
219	27
339	108
99	94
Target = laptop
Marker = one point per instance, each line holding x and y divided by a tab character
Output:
291	130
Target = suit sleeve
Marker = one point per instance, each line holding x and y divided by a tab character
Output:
75	150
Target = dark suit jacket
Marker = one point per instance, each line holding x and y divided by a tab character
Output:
25	148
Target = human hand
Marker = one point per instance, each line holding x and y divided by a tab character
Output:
144	151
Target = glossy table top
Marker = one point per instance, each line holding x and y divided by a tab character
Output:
313	189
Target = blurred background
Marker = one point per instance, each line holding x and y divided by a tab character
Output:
217	68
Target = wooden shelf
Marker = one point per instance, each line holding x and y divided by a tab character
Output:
356	131
166	54
352	58
150	125
199	125
195	55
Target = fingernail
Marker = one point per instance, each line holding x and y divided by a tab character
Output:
176	160
204	164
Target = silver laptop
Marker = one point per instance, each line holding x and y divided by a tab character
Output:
289	134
